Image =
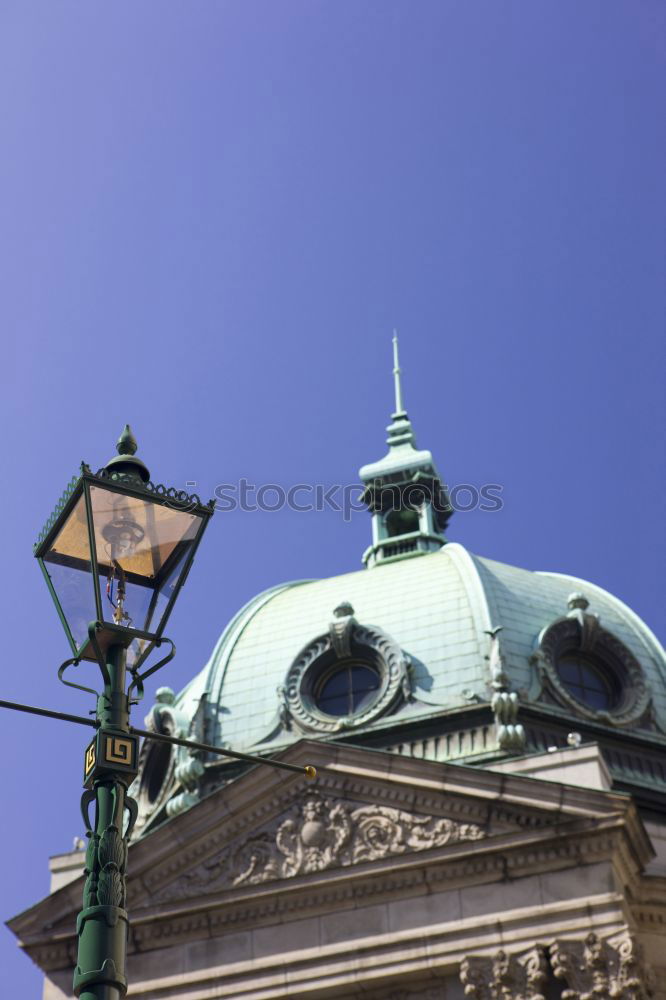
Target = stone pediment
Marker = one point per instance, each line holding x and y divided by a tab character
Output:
369	819
366	811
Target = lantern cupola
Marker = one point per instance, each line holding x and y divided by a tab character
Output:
403	491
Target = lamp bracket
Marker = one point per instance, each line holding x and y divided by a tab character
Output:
80	687
92	636
138	679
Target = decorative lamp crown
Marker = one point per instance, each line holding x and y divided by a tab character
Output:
125	462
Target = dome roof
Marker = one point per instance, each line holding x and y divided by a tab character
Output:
430	651
438	608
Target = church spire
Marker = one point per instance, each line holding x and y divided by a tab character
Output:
409	505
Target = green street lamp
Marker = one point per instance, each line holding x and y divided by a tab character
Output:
115	554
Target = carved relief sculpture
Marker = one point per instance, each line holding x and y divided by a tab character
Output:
588	969
322	834
315	834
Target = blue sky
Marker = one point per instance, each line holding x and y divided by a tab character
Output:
213	215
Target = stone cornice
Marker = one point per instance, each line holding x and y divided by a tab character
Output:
405	953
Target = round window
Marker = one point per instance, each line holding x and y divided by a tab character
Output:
589	682
347	689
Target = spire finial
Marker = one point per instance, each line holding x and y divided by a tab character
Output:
127	443
396	375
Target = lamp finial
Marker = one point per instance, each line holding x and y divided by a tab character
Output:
125	463
127	443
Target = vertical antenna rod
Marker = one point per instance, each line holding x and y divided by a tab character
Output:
396	375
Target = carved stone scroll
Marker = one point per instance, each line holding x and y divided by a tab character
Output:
321	833
314	834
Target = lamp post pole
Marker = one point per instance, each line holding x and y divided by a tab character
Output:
102	925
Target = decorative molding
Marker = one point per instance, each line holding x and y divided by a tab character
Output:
322	834
581	631
504	703
345	638
258	858
503	816
409	993
260	906
505	977
612	968
317	833
589	969
177	887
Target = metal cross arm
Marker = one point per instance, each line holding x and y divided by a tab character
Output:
308	770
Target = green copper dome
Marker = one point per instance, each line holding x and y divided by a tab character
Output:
439	609
430	651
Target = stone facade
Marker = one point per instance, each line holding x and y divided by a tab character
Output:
386	878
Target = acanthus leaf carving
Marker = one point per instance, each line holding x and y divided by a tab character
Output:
592	968
505	977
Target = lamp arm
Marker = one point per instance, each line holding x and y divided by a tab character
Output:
138	679
71	684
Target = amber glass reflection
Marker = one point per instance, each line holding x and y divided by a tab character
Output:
68	565
142	547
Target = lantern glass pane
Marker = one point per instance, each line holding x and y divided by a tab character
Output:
142	548
68	565
165	591
136	604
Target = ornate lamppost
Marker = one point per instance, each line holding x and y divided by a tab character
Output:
115	554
